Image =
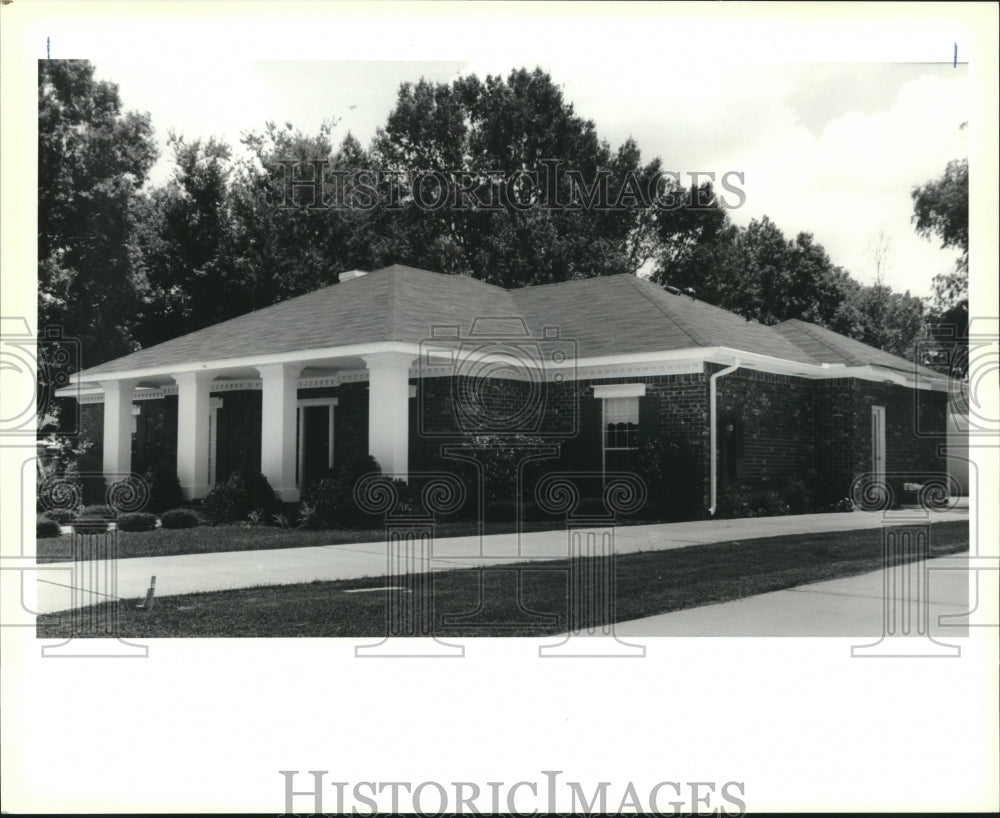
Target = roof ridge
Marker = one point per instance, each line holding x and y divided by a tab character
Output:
808	327
392	303
629	276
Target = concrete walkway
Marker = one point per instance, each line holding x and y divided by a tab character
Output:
242	569
851	606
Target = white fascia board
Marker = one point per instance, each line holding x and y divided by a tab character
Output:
620	390
303	357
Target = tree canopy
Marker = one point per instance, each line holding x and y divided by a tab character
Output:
543	199
92	160
941	210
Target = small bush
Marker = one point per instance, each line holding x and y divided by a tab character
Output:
104	512
60	515
164	487
137	521
309	517
236	497
179	518
333	498
45	529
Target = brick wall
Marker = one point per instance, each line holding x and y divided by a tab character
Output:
238	443
766	429
783	427
156	434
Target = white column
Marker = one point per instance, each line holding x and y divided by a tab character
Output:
117	428
389	410
192	432
279	383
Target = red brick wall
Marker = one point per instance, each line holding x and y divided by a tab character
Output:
156	434
789	427
238	442
773	414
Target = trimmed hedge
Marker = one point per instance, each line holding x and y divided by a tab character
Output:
45	528
107	512
60	515
137	521
179	518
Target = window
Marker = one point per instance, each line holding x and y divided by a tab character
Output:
619	418
621	423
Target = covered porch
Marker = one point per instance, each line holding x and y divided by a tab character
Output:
296	432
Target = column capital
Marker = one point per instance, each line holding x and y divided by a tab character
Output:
193	378
389	360
279	370
119	384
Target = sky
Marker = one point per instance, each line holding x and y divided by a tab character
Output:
833	149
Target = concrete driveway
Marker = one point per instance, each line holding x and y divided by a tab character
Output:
241	569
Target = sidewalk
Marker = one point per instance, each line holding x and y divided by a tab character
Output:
242	569
850	606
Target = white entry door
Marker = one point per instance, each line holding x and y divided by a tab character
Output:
878	443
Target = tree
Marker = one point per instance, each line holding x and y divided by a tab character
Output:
515	136
185	241
92	160
941	209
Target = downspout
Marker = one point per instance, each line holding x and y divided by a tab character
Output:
714	434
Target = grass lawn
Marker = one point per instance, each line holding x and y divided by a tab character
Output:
210	539
647	583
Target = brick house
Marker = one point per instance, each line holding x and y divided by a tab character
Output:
402	363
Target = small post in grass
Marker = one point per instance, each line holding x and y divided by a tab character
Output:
147	604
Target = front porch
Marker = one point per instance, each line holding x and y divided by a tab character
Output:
284	411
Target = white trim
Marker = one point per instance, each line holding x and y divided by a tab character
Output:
303	358
620	390
713	434
878	442
683	361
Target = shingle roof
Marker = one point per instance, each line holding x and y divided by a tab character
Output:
826	346
621	314
610	315
395	303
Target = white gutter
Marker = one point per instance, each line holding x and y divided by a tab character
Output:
714	434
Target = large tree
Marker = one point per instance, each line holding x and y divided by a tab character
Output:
92	160
529	161
941	210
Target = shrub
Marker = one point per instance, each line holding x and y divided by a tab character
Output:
45	528
333	498
137	521
179	518
236	497
308	517
104	512
164	487
60	515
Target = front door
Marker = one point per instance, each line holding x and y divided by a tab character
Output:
314	446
